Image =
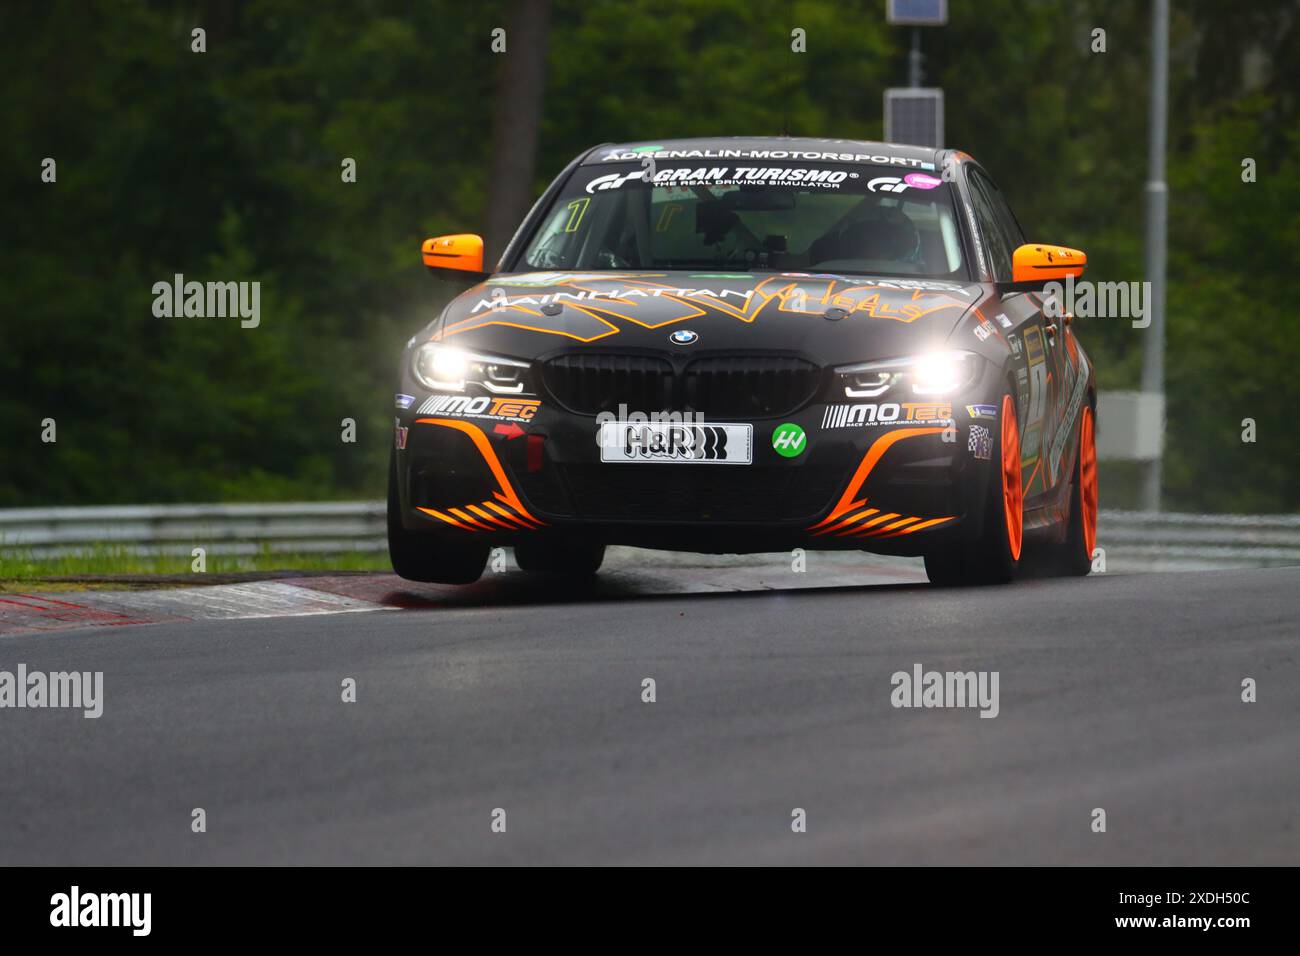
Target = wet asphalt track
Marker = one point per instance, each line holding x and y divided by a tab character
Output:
1120	691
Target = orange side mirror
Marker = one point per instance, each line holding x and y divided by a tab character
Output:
463	253
1036	262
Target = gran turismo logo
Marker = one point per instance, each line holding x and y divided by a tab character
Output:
613	180
887	184
893	184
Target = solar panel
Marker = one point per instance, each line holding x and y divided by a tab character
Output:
917	13
914	115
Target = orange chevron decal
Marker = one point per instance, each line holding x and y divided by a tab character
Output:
867	529
918	527
847	504
487	517
447	518
847	523
507	515
505	493
464	517
894	525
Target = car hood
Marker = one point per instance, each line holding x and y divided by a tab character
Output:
829	319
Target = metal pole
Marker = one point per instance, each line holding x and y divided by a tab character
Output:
1153	353
914	60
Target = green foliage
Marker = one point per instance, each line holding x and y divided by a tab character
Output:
20	570
226	165
1233	346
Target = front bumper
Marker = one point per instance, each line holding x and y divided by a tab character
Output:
892	488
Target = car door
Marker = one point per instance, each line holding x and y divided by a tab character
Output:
1034	339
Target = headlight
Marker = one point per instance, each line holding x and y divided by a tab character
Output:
444	368
935	373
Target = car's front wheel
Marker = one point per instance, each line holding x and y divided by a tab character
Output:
991	558
1073	556
426	557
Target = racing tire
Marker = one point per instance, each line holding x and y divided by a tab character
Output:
426	557
1073	556
568	558
993	557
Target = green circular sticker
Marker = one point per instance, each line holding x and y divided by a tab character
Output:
789	440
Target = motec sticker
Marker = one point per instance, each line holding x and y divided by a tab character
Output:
789	440
887	413
673	443
481	406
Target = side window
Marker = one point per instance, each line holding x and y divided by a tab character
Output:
557	241
994	238
1006	219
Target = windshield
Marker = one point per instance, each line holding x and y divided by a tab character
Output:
831	217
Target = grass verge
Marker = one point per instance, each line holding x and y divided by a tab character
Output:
113	566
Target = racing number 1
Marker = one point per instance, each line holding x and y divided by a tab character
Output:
577	209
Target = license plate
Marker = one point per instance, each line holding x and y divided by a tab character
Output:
672	443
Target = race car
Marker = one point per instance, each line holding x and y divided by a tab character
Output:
751	345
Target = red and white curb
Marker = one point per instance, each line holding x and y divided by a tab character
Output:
47	612
628	574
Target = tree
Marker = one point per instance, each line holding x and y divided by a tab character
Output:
517	118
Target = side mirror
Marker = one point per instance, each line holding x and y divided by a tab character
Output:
462	253
1034	264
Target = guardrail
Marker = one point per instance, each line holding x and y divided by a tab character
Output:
324	527
1169	539
299	527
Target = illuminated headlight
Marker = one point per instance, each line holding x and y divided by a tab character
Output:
443	368
935	373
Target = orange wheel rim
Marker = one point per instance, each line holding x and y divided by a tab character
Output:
1088	481
1013	495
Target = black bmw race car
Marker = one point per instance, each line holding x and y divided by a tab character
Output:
743	345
